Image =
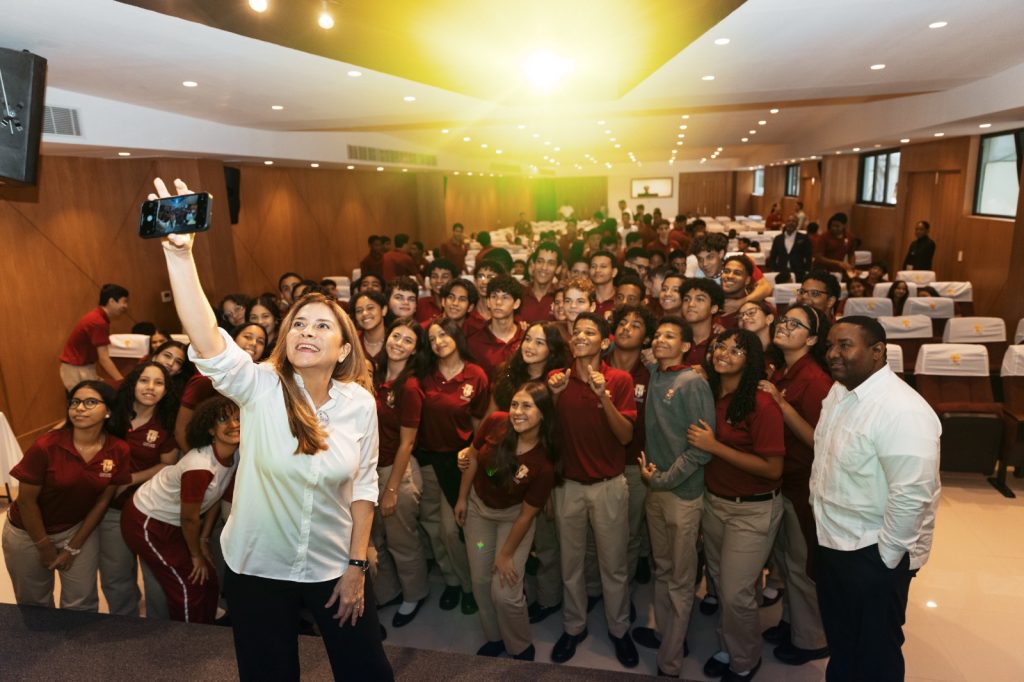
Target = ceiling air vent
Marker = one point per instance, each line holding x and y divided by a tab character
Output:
61	121
390	156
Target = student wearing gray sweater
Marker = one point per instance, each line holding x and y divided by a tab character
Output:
677	397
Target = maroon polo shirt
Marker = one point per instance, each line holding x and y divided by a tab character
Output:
729	320
454	253
663	249
198	389
397	263
605	308
70	485
836	248
590	451
760	433
89	333
490	352
427	309
146	444
806	384
474	322
449	407
534	477
372	265
396	409
680	237
375	359
697	352
641	378
533	310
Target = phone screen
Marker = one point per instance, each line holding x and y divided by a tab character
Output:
175	215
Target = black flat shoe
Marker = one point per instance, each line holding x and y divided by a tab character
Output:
528	654
625	650
450	597
537	613
646	637
777	634
766	602
402	619
730	676
565	647
715	668
469	606
643	571
492	649
794	655
709	605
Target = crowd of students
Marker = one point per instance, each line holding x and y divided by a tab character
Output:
623	405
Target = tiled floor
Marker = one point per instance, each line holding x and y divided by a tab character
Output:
964	621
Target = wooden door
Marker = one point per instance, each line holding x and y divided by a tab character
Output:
934	196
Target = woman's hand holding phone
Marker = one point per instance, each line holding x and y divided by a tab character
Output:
175	243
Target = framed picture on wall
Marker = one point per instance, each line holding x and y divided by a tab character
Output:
645	188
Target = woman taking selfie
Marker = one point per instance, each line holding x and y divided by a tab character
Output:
306	483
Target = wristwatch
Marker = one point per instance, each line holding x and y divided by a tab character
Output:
361	563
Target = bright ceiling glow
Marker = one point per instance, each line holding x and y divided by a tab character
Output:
405	170
355	74
380	168
682	127
444	131
409	98
544	70
856	149
938	24
498	151
547	143
679	143
617	146
276	107
189	84
773	111
558	149
483	145
268	163
905	140
685	116
753	132
535	136
521	126
325	19
600	123
984	125
721	41
761	123
258	5
467	139
744	139
350	167
708	77
314	165
877	67
681	135
939	134
124	153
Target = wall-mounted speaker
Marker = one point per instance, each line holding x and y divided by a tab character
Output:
233	181
22	92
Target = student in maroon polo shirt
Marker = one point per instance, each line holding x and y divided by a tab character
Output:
736	275
799	386
373	262
820	290
664	244
455	400
454	250
143	416
403	298
833	251
397	262
480	314
629	290
508	473
368	310
89	341
633	327
68	477
439	273
603	271
743	508
595	409
538	296
457	298
702	299
401	566
758	317
286	284
493	345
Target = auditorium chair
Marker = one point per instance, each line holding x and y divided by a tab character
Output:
882	289
953	378
862	259
894	358
909	332
989	331
1012	377
938	309
919	277
868	306
127	350
784	295
962	294
1019	334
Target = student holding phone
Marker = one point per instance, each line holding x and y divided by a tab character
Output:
306	484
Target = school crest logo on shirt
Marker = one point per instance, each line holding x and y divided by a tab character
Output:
639	391
151	437
467	391
669	393
389	399
521	473
107	468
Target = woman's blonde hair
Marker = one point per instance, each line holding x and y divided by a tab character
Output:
354	368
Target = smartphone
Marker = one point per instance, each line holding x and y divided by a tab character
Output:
175	215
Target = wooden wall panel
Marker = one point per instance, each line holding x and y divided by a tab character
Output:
838	187
743	185
877	228
710	194
586	195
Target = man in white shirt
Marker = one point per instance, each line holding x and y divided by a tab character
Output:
874	489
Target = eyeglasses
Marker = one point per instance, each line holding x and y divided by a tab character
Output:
813	293
89	403
486	275
791	323
749	314
735	351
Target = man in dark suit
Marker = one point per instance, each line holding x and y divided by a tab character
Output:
791	251
922	249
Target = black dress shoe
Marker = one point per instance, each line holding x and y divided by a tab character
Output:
794	655
777	634
766	602
565	647
492	649
632	612
402	619
450	597
730	676
625	650
715	668
592	602
709	605
383	633
528	654
646	637
469	606
391	602
643	571
662	673
537	613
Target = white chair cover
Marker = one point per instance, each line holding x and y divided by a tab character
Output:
862	258
870	306
906	326
129	345
754	216
770	276
882	289
974	330
1019	335
1013	362
952	360
10	451
894	357
357	273
921	277
961	292
181	338
785	293
930	306
340	280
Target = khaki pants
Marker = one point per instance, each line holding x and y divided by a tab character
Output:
438	520
800	601
738	538
119	576
70	375
549	571
674	524
502	607
639	540
603	506
401	567
33	583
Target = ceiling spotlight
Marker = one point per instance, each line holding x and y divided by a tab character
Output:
535	136
685	117
314	165
444	131
268	163
483	145
708	77
521	126
773	111
611	139
380	168
905	140
762	122
680	135
276	107
938	24
558	149
350	167
409	98
679	143
683	127
405	170
189	84
258	5
877	67
547	143
939	134
124	153
984	125
355	74
467	139
856	149
600	123
721	41
744	139
753	132
456	172
544	70
617	146
498	151
325	19
719	149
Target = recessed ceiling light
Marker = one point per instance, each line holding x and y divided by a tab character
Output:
611	139
405	170
617	146
838	152
877	67
773	111
719	149
409	98
558	149
708	77
467	139
938	24
498	151
939	134
547	143
355	74
685	117
456	172
931	603
761	123
521	126
444	131
680	135
380	168
683	127
350	167
314	165
679	143
856	149
189	84
744	139
124	153
258	5
325	20
753	132
721	41
904	140
268	163
535	136
276	107
483	145
600	123
984	125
